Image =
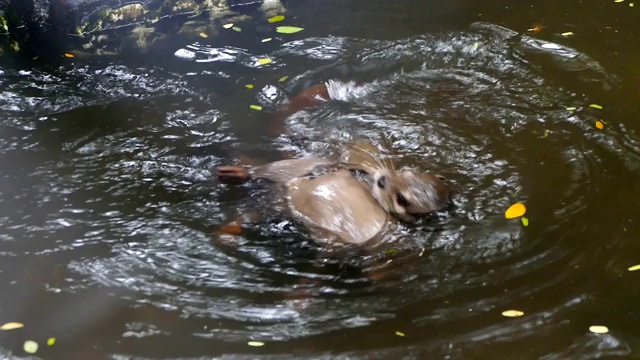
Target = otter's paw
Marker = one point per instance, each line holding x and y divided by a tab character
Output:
232	174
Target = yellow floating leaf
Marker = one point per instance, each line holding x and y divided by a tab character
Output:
284	78
203	35
568	33
288	29
249	86
399	333
267	39
227	26
11	326
51	341
525	221
618	0
68	55
599	125
35	58
571	108
255	107
276	18
546	133
515	210
631	4
236	28
598	329
634	268
512	313
264	61
255	343
595	106
30	346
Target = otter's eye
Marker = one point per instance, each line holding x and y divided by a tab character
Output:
382	182
402	201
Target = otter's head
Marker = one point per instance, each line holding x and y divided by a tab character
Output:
408	195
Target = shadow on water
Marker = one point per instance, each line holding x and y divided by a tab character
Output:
109	212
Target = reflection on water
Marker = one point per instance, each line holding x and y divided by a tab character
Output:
107	200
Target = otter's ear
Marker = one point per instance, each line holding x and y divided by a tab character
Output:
442	178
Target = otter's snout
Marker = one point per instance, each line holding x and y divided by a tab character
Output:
382	182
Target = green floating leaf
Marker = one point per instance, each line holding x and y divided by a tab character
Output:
51	341
284	78
255	343
546	133
525	221
392	251
399	333
595	106
276	18
288	29
631	4
235	28
571	108
249	86
30	346
255	107
634	268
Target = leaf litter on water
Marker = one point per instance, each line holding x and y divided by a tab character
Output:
266	39
284	78
525	221
30	346
255	107
515	210
400	333
634	268
11	326
203	35
512	313
264	61
599	125
598	329
227	26
249	86
276	18
51	341
568	33
595	106
255	343
288	29
236	28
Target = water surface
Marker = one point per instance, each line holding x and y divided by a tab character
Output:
109	212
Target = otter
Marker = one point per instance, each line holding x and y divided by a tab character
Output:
405	194
327	199
351	201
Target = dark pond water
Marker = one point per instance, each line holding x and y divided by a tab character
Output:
108	212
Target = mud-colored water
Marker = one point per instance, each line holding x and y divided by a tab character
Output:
108	211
